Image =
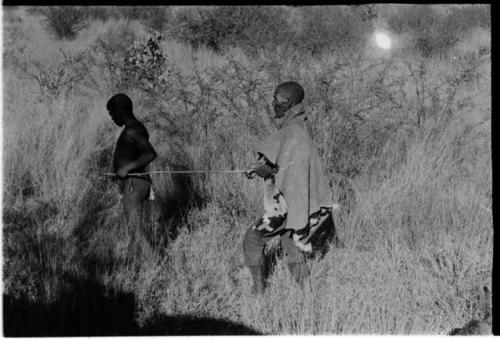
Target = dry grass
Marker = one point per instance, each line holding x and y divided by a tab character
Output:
418	230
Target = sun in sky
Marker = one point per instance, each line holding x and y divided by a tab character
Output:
383	40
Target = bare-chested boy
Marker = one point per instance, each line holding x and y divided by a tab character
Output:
133	153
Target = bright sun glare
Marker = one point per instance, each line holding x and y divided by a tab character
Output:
383	40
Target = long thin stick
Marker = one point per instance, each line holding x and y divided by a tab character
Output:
162	172
186	172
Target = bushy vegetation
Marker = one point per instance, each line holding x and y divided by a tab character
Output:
65	21
405	141
219	27
144	62
314	29
433	33
332	28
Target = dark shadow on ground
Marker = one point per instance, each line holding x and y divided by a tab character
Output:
176	193
192	325
87	308
164	216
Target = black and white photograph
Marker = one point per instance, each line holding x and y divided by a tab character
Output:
247	170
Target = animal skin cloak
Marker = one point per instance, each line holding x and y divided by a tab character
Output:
300	177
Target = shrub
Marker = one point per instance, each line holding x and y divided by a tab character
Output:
255	27
152	17
367	13
59	78
144	62
331	28
155	17
467	18
109	50
312	29
99	13
188	28
424	26
218	27
64	22
434	33
129	12
34	10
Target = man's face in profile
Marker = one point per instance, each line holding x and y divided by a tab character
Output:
281	104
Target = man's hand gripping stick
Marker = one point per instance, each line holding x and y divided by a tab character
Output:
264	168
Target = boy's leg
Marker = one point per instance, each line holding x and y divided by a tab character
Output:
136	191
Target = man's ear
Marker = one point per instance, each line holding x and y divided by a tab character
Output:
290	102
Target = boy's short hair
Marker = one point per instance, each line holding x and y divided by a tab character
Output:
120	102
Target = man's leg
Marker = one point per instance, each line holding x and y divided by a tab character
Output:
253	251
295	259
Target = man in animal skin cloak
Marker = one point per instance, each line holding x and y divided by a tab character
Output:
291	168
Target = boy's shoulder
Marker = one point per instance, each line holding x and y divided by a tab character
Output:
136	129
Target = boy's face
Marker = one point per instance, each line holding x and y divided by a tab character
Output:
281	104
116	117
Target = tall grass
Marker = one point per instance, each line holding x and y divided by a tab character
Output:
405	144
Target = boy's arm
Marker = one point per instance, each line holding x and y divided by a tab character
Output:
148	153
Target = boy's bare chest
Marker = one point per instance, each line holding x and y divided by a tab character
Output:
125	146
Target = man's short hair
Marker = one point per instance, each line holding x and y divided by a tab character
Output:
292	90
120	102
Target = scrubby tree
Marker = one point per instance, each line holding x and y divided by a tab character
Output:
156	17
332	28
152	17
64	22
222	26
144	62
433	33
